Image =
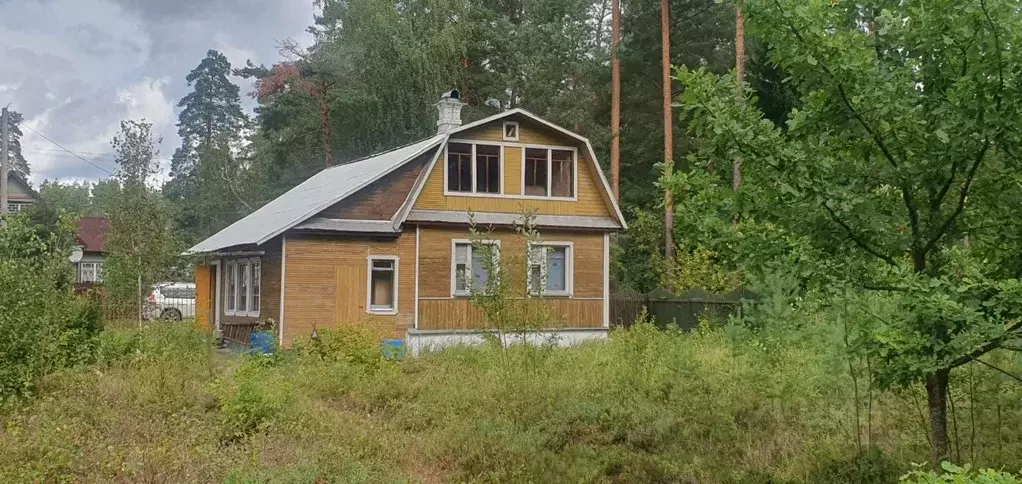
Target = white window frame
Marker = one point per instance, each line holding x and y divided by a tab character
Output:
549	172
237	269
252	263
518	131
231	277
369	284
569	269
96	268
474	192
454	264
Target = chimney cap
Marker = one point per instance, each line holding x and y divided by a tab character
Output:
452	94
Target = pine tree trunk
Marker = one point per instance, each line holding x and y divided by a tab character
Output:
665	38
325	115
936	399
736	172
615	97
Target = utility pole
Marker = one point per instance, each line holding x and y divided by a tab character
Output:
3	164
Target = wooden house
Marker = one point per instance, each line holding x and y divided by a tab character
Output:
383	239
20	196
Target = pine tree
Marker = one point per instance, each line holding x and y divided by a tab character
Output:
211	127
16	158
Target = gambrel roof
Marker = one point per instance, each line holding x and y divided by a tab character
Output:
298	207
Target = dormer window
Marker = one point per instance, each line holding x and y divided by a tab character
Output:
473	168
510	131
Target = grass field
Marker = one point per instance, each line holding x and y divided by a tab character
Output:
727	405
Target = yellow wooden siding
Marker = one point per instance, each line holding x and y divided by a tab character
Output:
437	310
591	201
531	133
203	296
326	283
437	314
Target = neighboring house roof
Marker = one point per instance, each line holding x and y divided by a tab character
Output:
334	184
312	196
92	232
24	191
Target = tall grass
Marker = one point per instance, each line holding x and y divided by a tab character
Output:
718	406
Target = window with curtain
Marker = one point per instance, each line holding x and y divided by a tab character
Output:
549	269
256	285
243	285
231	274
470	269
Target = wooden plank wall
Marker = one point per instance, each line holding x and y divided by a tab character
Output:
325	284
203	296
382	199
438	310
591	200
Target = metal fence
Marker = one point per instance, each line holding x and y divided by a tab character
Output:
682	310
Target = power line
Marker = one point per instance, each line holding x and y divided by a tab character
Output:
69	151
43	151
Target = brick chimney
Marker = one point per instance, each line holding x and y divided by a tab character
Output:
449	112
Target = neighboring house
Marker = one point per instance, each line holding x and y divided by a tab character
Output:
92	233
385	236
20	195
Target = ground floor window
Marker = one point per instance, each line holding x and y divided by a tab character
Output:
550	269
382	290
90	272
243	280
469	269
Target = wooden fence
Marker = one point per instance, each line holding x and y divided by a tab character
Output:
683	310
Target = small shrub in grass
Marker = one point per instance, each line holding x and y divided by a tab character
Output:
252	400
354	344
960	475
869	467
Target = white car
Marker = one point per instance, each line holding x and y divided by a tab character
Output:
172	301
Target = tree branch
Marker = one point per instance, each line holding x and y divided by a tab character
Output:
986	347
963	195
859	242
1000	370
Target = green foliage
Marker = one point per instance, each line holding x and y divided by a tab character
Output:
890	173
78	198
731	405
354	344
141	244
251	401
44	326
960	475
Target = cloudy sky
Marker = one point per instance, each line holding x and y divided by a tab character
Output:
76	68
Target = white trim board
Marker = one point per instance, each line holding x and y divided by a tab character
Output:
420	342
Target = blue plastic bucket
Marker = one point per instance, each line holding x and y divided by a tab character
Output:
393	349
264	343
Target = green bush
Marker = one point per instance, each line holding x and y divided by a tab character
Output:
354	344
960	475
44	326
251	401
